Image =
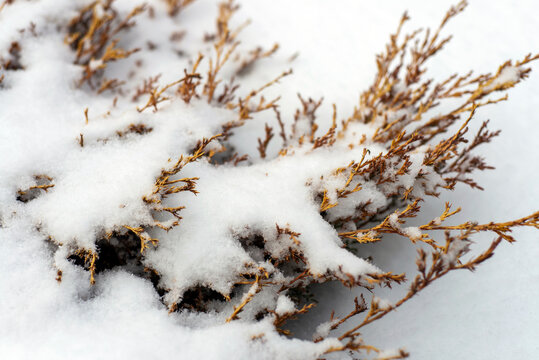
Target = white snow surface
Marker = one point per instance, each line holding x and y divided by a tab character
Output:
99	188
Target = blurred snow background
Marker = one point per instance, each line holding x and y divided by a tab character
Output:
494	312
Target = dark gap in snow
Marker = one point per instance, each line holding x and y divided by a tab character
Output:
42	184
13	62
198	298
228	156
28	195
254	246
118	250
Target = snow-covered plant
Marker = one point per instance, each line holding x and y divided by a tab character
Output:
121	154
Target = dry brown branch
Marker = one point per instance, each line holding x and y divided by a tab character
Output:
263	145
92	35
175	6
164	185
253	290
188	88
255	55
445	259
42	183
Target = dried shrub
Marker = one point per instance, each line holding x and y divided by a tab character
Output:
404	154
92	35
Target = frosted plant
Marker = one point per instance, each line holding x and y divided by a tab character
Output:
122	159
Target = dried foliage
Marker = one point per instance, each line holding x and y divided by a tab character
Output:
175	6
164	185
397	106
92	34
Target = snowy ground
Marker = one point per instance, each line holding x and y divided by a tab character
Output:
490	314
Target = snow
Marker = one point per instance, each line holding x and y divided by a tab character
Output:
507	74
292	206
383	303
41	319
413	232
284	305
99	187
388	354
